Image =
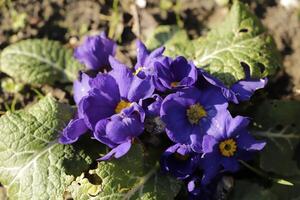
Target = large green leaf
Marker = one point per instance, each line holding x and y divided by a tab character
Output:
39	61
278	121
130	177
239	43
33	165
246	190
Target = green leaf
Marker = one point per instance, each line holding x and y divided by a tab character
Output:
175	40
246	190
127	178
239	41
39	62
33	165
277	122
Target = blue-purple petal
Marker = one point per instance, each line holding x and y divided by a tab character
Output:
74	129
94	52
81	87
117	152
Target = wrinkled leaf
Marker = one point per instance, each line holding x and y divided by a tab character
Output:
33	165
39	62
127	178
277	122
246	190
237	45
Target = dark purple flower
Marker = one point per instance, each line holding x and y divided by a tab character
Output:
111	93
95	50
180	161
148	62
226	143
179	73
240	91
119	131
188	114
81	87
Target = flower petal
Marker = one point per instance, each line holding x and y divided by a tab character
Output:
96	106
123	128
208	143
140	89
142	54
211	166
81	87
100	133
235	125
247	142
245	88
123	76
73	131
107	85
230	164
117	152
94	51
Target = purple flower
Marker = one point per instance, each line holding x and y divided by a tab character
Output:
240	91
226	143
148	62
179	73
81	87
180	161
95	50
112	93
119	131
188	114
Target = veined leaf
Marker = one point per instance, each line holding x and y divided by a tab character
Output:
127	178
33	165
39	61
246	190
237	47
278	122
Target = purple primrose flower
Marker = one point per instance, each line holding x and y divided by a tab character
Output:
148	63
226	143
178	73
188	114
95	50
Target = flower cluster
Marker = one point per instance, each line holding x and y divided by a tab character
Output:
191	103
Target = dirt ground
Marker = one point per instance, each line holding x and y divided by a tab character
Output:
68	21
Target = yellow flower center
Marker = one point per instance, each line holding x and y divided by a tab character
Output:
228	147
121	105
195	113
174	84
138	70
